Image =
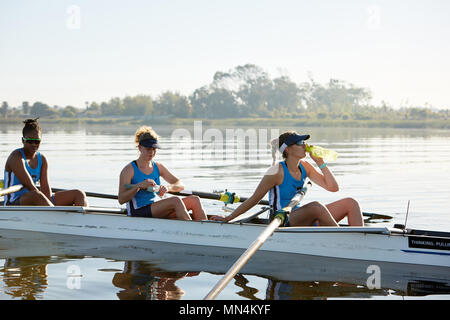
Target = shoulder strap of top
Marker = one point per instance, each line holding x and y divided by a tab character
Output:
303	171
38	155
23	153
155	168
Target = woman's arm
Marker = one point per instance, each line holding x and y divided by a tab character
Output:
273	177
126	175
45	186
16	164
175	184
325	178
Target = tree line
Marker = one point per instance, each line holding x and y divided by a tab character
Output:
243	92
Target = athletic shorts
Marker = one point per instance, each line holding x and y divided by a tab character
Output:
145	211
14	203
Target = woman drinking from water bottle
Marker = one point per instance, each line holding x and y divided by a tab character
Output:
141	174
285	178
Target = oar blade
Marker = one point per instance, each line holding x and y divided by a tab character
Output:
373	216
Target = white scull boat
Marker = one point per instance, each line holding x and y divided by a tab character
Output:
418	247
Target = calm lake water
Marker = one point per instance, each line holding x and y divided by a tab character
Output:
382	168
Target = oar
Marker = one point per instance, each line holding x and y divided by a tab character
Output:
226	197
12	189
279	218
93	194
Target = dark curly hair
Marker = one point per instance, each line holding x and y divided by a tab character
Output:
31	125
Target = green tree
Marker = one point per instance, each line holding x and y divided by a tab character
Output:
25	107
4	109
199	101
173	104
139	105
337	97
214	103
93	109
69	112
40	109
114	107
285	94
249	84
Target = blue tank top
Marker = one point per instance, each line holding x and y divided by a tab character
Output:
280	196
12	180
142	197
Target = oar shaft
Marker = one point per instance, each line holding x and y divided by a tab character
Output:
211	196
268	231
237	266
93	194
11	189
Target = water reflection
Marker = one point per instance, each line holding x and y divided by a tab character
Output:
25	278
154	271
139	281
318	290
380	167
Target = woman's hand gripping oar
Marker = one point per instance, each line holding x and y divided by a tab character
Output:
278	220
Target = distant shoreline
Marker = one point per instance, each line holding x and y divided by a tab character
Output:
233	122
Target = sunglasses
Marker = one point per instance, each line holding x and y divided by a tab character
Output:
32	141
300	143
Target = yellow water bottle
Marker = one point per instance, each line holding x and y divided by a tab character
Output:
2	184
325	154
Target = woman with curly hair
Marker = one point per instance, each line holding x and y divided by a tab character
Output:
144	173
26	166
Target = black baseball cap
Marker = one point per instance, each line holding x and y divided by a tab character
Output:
293	138
150	143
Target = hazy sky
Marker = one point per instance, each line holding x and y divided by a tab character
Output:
68	52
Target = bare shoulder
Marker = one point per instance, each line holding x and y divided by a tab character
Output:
161	167
128	169
274	170
306	165
13	158
15	154
159	164
275	173
44	159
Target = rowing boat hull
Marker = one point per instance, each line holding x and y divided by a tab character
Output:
368	243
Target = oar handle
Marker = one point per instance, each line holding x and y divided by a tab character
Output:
149	189
11	189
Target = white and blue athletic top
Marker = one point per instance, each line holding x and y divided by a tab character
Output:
142	197
12	180
280	196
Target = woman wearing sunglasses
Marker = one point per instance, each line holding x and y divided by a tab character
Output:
284	179
27	166
143	173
